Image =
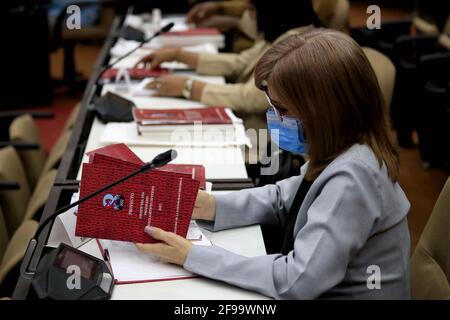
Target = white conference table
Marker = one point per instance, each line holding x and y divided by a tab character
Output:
196	288
220	163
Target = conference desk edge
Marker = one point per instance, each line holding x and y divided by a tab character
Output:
55	201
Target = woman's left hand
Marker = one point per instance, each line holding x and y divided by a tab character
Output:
174	249
168	86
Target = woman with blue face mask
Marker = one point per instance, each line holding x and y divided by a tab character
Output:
345	232
286	131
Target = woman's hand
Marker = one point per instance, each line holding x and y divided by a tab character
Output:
174	248
168	86
203	11
205	206
159	56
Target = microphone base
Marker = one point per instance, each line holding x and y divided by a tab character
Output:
66	273
113	108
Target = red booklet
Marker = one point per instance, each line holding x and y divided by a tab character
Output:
122	152
136	73
194	32
118	151
164	199
197	172
156	198
208	115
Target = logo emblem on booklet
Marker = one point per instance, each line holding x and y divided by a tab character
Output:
115	202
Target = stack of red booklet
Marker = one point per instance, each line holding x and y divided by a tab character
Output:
135	73
162	198
151	120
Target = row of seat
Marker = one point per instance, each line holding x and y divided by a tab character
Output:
23	129
26	179
12	249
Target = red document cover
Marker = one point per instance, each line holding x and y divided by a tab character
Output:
122	152
156	198
197	172
118	151
136	73
194	32
208	115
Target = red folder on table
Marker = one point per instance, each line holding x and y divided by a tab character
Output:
208	115
164	199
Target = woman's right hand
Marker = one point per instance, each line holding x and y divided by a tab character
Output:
159	56
205	206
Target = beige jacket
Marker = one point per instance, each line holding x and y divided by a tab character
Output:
243	95
233	7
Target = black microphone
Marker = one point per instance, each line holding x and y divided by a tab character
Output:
166	28
160	160
29	273
112	107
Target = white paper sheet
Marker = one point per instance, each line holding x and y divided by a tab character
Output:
63	230
124	46
131	265
127	133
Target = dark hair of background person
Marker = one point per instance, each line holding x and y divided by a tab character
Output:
277	17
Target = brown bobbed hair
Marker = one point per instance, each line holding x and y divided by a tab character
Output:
323	78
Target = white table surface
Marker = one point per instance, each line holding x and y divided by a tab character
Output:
196	288
220	162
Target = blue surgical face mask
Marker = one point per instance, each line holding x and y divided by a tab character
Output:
286	131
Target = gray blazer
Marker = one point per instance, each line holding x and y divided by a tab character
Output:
350	229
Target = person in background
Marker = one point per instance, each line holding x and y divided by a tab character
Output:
231	17
345	216
275	22
204	11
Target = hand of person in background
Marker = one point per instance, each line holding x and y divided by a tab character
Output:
203	11
159	56
205	206
174	249
174	85
168	86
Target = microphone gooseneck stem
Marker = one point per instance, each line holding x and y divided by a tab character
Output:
159	161
163	29
144	168
28	272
